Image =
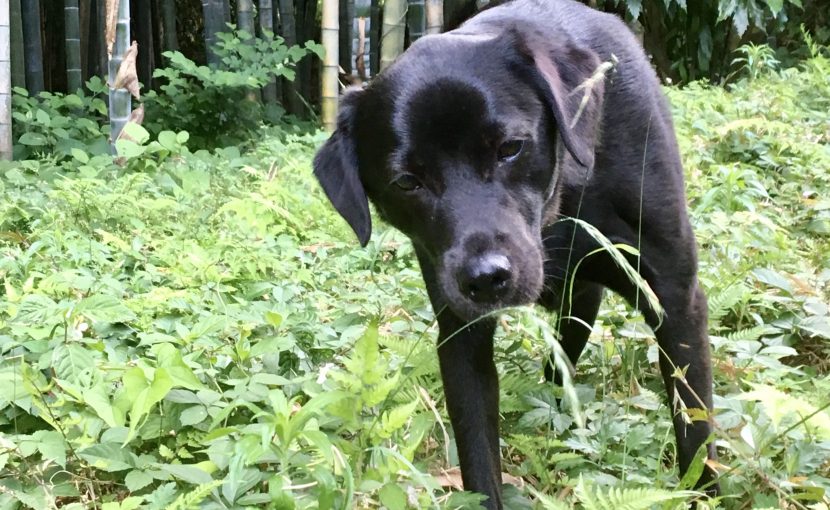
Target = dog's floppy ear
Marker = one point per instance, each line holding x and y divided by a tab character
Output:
335	166
571	81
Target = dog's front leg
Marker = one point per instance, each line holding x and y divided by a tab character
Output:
471	386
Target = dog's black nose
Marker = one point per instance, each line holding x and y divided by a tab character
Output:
485	278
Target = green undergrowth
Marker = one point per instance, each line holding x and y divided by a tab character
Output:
200	330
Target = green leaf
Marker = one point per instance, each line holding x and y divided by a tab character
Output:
52	446
193	415
144	394
109	457
128	149
80	155
104	308
32	139
169	358
97	397
775	6
273	318
634	7
188	473
392	496
71	361
43	118
137	480
136	132
167	139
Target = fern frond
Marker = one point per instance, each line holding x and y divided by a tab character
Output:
722	302
622	498
748	334
190	500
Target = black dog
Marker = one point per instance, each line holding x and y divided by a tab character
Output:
474	143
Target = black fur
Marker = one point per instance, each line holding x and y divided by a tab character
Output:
432	143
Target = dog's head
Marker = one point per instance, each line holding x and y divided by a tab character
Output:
462	145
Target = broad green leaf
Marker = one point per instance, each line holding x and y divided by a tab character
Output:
137	480
193	415
80	155
169	358
104	308
70	361
32	139
52	446
108	457
785	409
392	496
188	472
144	394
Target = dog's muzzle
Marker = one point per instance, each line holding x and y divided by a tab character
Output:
486	278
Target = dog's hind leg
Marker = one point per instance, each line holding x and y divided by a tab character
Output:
684	357
687	371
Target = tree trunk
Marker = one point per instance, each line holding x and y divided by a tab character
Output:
34	47
97	47
120	102
72	26
289	33
434	16
169	37
391	42
266	24
329	81
416	19
5	83
214	23
17	46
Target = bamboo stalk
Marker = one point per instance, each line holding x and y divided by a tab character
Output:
289	33
5	83
120	103
374	37
214	23
245	16
71	17
266	24
434	10
34	47
416	19
392	33
329	81
170	39
17	46
346	17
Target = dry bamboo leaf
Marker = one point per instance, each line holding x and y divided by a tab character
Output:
127	77
112	21
359	62
452	478
136	117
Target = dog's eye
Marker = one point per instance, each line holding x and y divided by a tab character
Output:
407	182
510	150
